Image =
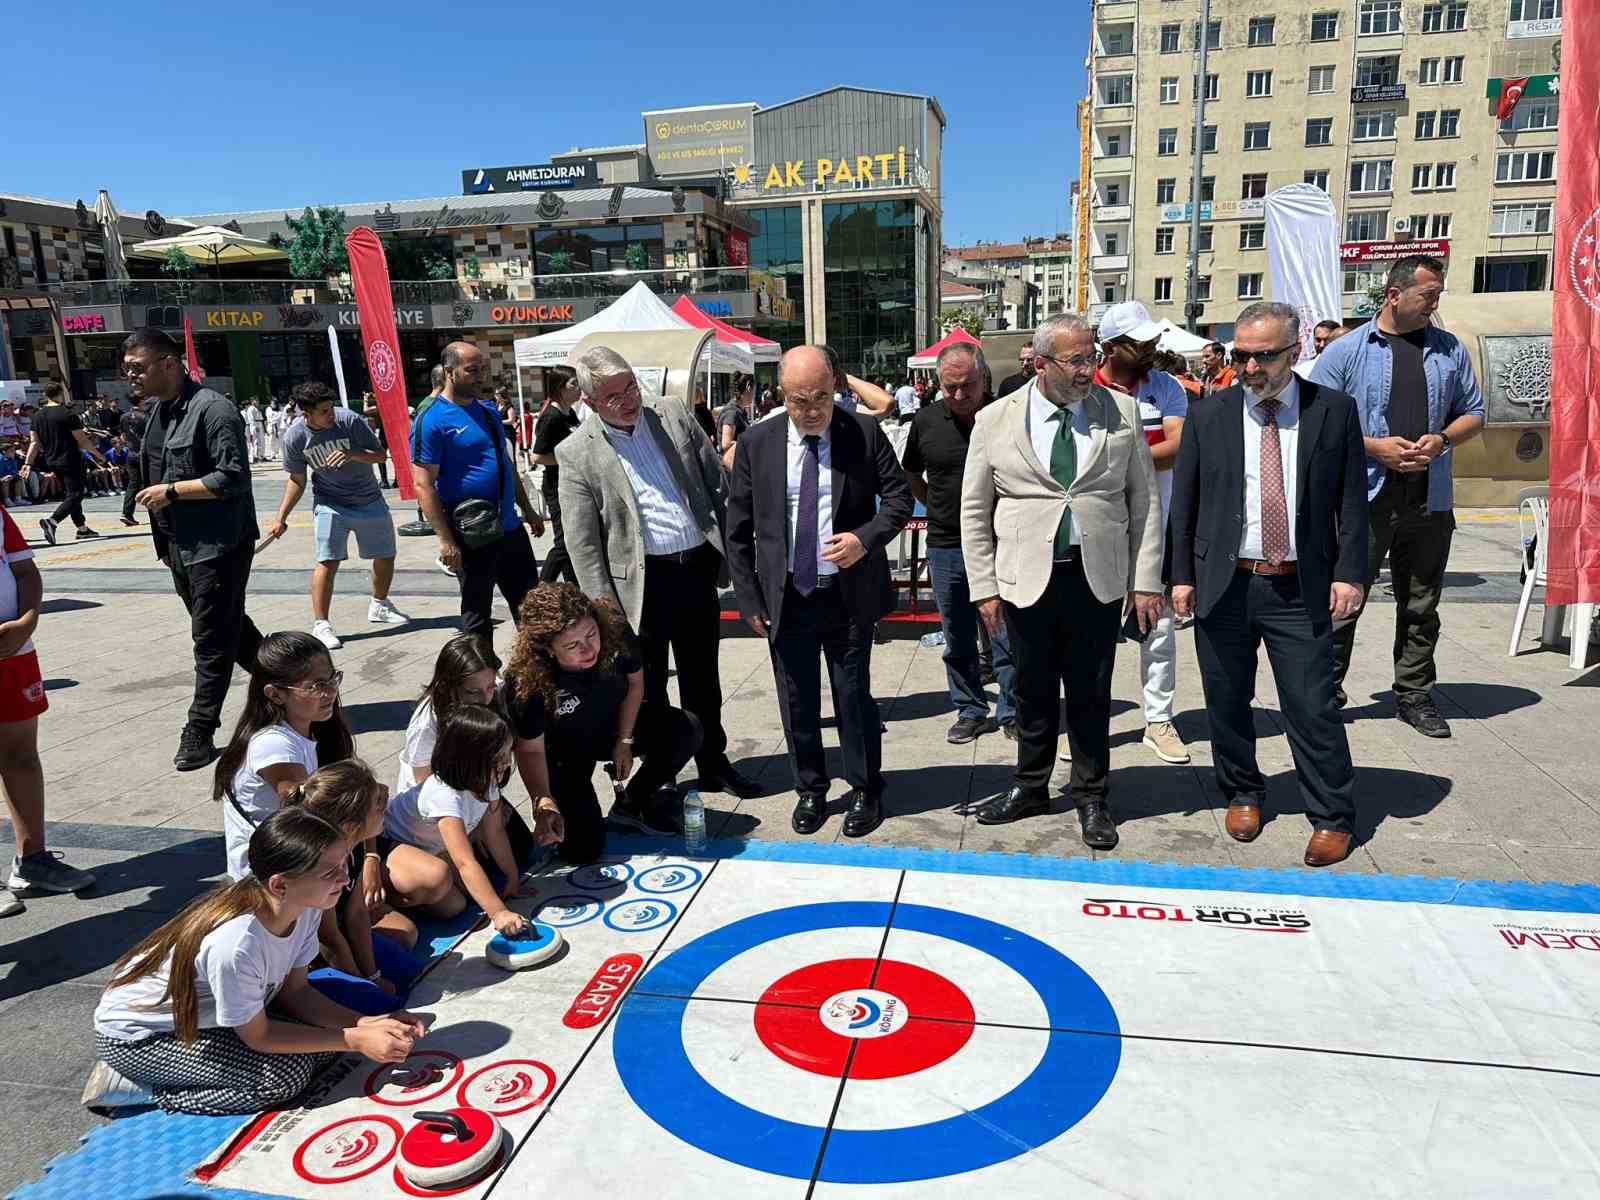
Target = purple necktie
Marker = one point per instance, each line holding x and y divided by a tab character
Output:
805	522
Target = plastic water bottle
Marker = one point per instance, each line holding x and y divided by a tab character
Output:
936	638
694	822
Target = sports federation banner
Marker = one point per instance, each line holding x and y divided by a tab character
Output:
369	270
1303	256
1575	338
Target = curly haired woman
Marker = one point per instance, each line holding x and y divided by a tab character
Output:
575	691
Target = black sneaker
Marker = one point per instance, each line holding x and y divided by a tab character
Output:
1013	734
195	750
1422	716
85	532
654	817
969	729
48	528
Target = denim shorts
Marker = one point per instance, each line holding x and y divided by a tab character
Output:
371	523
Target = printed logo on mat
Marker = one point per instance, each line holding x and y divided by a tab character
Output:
424	1076
1249	918
348	1149
864	1014
504	1089
600	994
1549	937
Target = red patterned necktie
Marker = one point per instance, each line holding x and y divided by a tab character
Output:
1274	508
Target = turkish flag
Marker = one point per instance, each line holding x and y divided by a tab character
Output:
1510	92
1574	553
369	271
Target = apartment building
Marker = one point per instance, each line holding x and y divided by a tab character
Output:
1041	266
1391	106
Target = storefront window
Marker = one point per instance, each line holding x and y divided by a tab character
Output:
580	250
778	274
870	261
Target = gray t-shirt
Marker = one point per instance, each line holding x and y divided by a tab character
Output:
351	486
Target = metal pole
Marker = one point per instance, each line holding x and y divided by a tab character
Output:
1191	305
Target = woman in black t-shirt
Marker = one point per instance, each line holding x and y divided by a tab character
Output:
556	421
575	692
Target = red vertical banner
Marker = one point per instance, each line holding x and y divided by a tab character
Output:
196	371
369	270
1575	339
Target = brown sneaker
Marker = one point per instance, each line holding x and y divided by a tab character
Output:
1162	737
1328	846
1243	822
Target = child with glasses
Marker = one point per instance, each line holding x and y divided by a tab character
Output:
291	724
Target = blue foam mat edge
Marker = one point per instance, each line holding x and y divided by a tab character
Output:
148	1156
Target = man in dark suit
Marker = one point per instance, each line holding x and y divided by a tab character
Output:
1269	544
814	498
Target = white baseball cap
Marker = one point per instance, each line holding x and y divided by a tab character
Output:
1129	319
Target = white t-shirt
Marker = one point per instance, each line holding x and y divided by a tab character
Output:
240	967
414	814
252	417
258	798
14	548
905	399
422	731
1161	396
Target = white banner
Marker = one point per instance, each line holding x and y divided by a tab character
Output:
338	366
1303	256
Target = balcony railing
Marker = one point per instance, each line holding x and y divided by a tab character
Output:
205	292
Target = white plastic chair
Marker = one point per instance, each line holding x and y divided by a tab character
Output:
1533	508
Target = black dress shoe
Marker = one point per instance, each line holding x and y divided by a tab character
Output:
195	750
809	814
727	778
1422	716
1099	830
865	815
1019	802
969	729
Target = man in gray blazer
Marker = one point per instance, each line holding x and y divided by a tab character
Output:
1062	538
643	521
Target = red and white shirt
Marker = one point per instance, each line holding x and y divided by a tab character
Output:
14	548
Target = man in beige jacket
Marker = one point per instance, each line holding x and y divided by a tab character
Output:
1062	537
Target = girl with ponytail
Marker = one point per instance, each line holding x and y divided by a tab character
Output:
187	1011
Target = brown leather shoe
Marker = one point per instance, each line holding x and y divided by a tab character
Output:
1243	822
1328	846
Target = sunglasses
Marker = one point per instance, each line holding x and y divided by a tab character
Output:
1240	357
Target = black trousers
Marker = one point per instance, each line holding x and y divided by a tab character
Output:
1417	544
213	591
681	613
1066	638
508	564
1269	608
820	623
664	740
74	483
135	469
558	563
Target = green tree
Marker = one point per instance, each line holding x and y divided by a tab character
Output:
316	243
971	321
177	263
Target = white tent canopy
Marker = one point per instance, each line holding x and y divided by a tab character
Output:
638	310
1181	341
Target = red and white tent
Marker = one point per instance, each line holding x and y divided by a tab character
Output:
956	337
761	349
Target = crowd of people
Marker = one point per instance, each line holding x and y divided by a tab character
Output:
1093	499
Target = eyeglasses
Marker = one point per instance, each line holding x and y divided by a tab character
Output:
1137	347
320	687
808	399
134	370
1240	357
631	390
1077	362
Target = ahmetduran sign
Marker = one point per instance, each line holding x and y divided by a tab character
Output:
1356	253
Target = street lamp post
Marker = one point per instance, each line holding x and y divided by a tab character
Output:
1191	307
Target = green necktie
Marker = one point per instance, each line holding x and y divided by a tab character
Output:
1064	468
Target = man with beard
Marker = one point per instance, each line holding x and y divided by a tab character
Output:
1269	544
202	520
1024	373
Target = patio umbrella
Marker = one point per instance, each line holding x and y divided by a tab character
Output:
210	244
106	213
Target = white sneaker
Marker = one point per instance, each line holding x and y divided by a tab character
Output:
439	562
10	906
323	632
1162	738
381	612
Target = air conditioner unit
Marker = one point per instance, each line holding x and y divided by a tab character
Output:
1122	280
1401	227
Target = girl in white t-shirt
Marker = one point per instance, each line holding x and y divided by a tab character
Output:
186	1014
464	673
291	724
455	815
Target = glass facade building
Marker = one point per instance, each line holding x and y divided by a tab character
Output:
870	285
778	250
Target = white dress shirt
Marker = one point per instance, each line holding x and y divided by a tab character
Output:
1288	442
1042	433
666	522
797	456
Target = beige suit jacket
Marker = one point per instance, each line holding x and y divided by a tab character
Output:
1011	506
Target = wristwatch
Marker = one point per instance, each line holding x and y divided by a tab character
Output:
172	493
1445	438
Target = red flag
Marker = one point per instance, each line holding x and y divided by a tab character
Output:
1510	92
196	371
1575	339
369	270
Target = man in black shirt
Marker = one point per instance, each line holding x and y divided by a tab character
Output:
934	459
1021	379
60	440
555	422
132	428
203	522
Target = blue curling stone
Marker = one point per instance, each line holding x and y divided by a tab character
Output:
536	944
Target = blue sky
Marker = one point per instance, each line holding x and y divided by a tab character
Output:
268	105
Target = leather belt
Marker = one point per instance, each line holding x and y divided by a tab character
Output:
1260	566
824	581
677	557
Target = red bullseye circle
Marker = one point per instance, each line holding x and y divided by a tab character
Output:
934	1022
